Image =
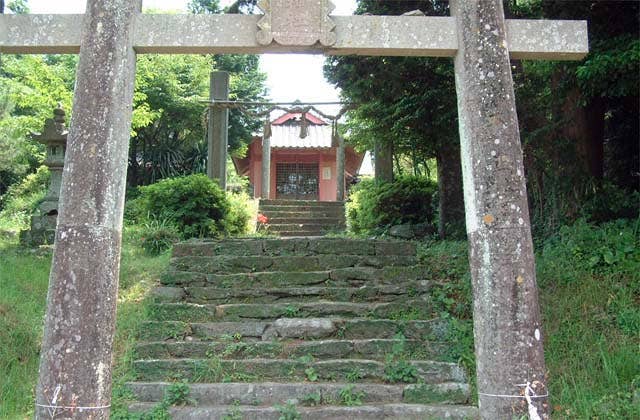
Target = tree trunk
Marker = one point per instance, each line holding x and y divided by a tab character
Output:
451	198
383	155
585	126
75	364
507	326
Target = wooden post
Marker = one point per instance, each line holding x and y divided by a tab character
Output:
217	132
507	325
266	166
340	169
75	363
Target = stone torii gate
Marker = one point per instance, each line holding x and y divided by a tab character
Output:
75	373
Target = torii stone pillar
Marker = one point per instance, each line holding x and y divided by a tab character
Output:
75	364
507	325
217	132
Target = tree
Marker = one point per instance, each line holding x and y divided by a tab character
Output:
580	120
407	102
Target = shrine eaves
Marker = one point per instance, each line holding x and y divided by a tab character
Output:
299	26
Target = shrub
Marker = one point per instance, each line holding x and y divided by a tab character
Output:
196	205
376	205
239	216
21	200
158	236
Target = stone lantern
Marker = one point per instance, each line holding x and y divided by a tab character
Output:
54	138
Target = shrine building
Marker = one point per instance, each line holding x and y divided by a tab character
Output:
304	153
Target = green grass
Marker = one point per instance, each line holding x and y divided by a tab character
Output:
24	278
23	291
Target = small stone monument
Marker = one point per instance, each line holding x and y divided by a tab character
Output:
54	137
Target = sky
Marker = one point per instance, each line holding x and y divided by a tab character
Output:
290	76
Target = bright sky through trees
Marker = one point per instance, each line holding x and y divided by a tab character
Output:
290	76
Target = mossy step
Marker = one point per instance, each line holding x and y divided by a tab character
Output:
250	370
291	263
375	349
193	312
367	293
339	277
369	412
293	246
270	393
286	202
297	218
299	328
301	227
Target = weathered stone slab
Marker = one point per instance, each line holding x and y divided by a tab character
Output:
299	328
369	412
236	34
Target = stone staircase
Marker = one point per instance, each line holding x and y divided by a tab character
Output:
308	328
303	218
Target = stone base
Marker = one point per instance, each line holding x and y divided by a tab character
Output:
42	232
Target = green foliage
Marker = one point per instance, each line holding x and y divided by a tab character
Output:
240	213
350	398
311	374
195	204
376	205
22	199
397	368
312	399
158	236
288	411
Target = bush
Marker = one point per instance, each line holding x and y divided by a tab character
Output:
158	236
376	205
237	222
22	199
196	205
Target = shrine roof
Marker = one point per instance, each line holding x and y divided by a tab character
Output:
297	116
288	136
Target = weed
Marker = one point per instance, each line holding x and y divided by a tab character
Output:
350	398
234	413
291	311
288	411
307	358
354	375
396	367
311	374
313	399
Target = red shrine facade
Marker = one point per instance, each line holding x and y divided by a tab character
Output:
303	160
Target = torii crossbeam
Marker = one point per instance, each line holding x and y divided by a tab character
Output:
75	375
420	36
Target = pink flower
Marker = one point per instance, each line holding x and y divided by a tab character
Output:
262	219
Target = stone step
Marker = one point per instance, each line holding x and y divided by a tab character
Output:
239	347
301	202
306	220
298	328
284	214
368	412
293	263
298	227
193	312
271	393
339	277
250	370
266	208
213	295
304	233
297	246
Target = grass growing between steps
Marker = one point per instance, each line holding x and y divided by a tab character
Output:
589	279
24	277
